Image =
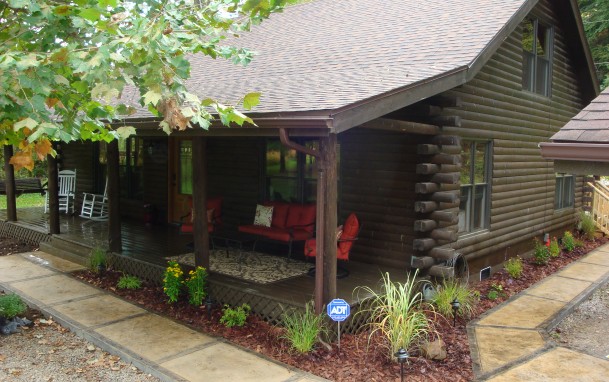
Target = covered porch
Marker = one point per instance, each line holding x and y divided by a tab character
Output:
145	249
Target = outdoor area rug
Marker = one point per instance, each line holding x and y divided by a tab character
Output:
252	266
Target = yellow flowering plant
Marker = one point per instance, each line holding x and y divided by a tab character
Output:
196	283
173	281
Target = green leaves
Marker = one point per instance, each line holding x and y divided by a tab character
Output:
250	100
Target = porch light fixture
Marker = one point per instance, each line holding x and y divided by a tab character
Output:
402	356
455	304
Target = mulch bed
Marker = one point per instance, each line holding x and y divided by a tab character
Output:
358	359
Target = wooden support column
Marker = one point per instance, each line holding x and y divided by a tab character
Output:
199	201
328	148
53	195
9	173
114	193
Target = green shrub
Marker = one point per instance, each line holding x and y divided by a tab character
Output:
173	280
554	248
495	292
587	225
11	305
514	267
568	241
541	253
302	328
235	317
196	283
395	314
98	261
452	289
129	282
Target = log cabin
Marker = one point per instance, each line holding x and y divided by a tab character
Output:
422	118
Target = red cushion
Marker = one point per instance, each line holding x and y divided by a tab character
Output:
268	232
280	213
310	248
301	234
189	228
302	215
350	230
216	205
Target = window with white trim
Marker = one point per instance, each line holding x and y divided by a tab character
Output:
475	186
537	46
564	192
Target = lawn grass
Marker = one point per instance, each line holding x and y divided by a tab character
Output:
25	200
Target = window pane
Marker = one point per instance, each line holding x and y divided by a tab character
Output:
541	77
479	164
185	170
479	206
466	163
310	168
283	189
527	35
542	41
527	70
280	160
464	208
310	191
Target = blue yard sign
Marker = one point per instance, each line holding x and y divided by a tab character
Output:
338	309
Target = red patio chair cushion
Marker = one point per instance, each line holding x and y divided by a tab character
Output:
302	215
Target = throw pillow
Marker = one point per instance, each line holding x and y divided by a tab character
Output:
210	216
339	232
264	215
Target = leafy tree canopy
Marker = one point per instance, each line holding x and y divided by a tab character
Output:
65	65
595	15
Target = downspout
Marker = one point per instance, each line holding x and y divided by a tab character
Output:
319	233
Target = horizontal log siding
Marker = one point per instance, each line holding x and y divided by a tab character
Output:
377	183
234	171
496	108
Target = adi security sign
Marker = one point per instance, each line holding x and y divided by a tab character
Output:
338	309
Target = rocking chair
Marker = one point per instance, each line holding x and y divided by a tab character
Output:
95	206
345	240
66	185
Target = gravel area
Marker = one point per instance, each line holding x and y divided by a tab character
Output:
48	352
586	328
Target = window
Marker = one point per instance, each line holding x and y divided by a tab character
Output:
475	192
130	161
185	168
565	192
291	176
537	57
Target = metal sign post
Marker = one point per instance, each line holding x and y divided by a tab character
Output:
338	310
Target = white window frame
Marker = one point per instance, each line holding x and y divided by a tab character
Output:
564	192
530	76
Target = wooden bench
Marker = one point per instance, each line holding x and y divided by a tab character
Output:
24	186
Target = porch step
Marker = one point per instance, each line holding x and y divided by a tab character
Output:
75	254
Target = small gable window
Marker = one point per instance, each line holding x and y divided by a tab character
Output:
537	57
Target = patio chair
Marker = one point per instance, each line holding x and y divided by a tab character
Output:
346	237
66	184
95	206
214	216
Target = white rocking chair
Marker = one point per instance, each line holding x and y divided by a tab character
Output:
95	206
66	184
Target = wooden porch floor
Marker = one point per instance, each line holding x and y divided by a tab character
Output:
152	244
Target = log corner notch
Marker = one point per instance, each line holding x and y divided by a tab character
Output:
437	204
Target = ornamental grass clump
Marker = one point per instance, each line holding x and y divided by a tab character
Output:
396	314
554	248
196	284
452	289
173	281
11	305
568	241
541	253
514	267
587	225
302	329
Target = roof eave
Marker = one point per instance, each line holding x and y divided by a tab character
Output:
575	151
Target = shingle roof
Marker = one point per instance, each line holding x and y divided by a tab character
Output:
327	54
591	125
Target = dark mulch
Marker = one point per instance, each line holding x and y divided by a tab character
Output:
8	246
357	361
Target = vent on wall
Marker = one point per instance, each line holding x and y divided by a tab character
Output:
485	273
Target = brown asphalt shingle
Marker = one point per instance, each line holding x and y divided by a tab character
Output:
329	54
591	125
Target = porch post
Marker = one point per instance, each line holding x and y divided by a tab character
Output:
9	171
114	191
327	146
53	194
199	201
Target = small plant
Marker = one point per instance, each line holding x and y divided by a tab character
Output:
587	225
129	282
395	313
452	289
98	261
554	248
302	328
541	253
568	241
514	267
173	281
11	305
196	283
495	292
235	317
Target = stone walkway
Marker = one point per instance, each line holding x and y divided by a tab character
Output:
156	345
508	343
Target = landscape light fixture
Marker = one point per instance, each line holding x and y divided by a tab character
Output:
455	304
208	305
402	356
